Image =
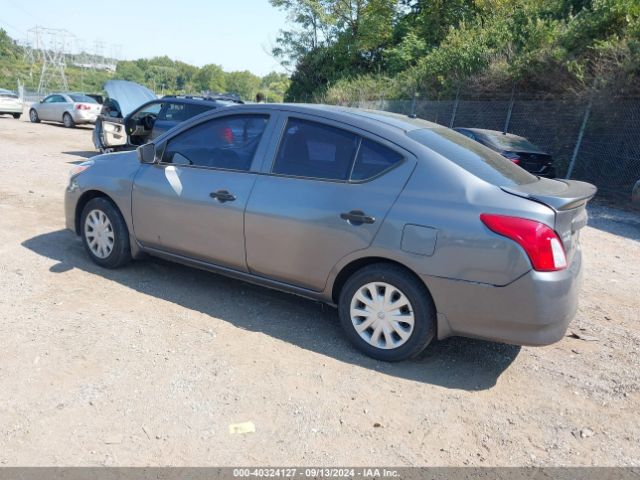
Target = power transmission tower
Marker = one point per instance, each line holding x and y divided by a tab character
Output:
51	45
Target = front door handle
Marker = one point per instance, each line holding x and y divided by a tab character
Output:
223	196
357	217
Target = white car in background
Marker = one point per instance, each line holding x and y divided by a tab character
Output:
70	109
10	103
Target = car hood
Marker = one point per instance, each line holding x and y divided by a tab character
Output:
129	95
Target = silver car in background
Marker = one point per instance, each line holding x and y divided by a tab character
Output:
70	109
412	230
10	103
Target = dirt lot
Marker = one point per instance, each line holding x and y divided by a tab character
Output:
150	364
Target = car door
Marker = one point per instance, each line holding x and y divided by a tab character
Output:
45	108
60	105
315	205
192	202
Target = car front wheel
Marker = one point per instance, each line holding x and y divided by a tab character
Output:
17	116
104	233
33	116
387	313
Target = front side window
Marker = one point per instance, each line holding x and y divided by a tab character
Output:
373	159
314	150
228	142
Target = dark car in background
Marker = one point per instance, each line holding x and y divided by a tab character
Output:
517	149
132	115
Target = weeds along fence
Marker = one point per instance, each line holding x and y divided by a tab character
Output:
595	138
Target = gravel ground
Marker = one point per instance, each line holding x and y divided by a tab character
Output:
150	364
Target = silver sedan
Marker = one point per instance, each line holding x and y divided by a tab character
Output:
70	109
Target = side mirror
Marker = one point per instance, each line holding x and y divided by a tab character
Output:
147	153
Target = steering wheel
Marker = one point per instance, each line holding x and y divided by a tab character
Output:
148	121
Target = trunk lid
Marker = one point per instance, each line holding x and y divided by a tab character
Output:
568	198
535	162
94	108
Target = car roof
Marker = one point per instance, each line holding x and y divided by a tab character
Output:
198	99
347	114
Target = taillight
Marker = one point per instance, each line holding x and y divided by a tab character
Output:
514	157
541	243
82	106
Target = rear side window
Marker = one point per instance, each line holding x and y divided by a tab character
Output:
474	157
314	150
373	159
227	142
82	98
179	112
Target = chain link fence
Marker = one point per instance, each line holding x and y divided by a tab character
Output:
594	138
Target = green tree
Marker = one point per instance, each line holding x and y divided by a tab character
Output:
244	83
210	78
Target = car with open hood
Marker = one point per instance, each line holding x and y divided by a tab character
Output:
132	114
412	230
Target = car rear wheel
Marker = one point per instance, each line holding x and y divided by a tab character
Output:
68	121
387	313
33	116
104	234
17	115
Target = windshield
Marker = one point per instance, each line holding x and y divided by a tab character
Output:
78	97
474	157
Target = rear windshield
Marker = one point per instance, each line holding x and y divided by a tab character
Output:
474	157
82	98
8	95
511	143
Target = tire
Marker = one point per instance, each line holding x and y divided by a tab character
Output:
401	285
67	121
120	251
33	116
17	116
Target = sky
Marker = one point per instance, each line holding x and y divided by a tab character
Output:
235	34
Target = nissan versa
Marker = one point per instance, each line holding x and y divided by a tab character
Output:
412	230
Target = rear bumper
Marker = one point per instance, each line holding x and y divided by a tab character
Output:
535	309
81	116
10	108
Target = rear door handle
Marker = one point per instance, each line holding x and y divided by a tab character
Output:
223	196
357	217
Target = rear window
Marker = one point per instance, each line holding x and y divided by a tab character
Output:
8	95
82	98
474	157
511	142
